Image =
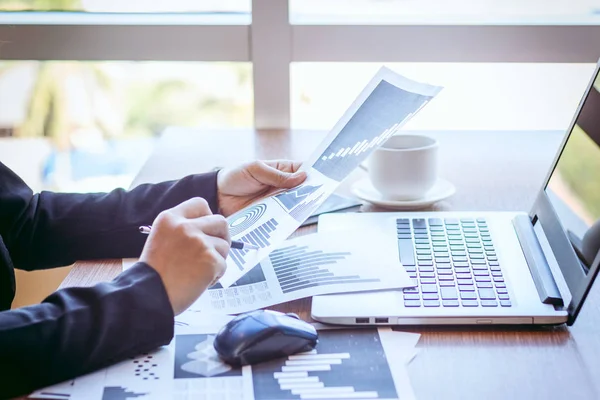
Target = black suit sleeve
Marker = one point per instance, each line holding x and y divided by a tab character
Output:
48	229
78	330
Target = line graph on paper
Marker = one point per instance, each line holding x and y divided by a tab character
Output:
381	115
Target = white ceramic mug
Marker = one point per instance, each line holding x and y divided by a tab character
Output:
405	167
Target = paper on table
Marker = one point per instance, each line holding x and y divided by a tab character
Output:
310	265
387	102
189	368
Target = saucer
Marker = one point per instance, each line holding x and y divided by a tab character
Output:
440	191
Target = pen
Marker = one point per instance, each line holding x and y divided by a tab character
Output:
235	244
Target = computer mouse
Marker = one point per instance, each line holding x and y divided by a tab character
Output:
263	335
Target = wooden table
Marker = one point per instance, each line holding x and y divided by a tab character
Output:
492	171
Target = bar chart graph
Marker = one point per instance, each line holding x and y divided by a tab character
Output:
299	268
259	236
346	364
380	116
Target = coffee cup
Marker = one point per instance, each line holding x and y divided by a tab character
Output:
405	167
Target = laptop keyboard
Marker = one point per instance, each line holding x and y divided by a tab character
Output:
453	261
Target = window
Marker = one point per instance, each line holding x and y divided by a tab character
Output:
445	12
506	64
476	96
129	6
91	125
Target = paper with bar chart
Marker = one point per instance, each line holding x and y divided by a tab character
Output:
307	266
346	363
387	102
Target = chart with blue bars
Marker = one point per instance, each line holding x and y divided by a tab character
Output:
259	236
120	393
297	268
346	364
379	117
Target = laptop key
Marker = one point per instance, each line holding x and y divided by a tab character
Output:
503	297
449	293
501	290
480	267
463	276
466	288
470	303
444	272
421	236
505	303
411	296
435	222
406	251
443	266
411	290
487	294
423	263
423	268
484	285
421	241
489	303
496	273
480	272
461	264
468	296
419	223
462	270
431	296
427	275
431	303
443	277
450	303
426	281
404	236
500	284
446	283
412	303
483	279
410	269
465	281
429	288
451	221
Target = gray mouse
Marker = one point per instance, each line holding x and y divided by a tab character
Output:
263	335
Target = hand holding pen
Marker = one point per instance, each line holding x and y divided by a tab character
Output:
235	244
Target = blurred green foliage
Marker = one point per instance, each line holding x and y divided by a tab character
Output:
580	169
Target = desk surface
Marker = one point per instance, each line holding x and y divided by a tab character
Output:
492	171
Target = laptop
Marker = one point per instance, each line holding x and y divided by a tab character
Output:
491	267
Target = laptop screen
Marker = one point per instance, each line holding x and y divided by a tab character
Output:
574	186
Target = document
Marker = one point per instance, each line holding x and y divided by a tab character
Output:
310	265
387	102
346	363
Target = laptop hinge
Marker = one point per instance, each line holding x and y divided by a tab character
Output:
537	262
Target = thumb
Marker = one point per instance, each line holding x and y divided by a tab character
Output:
270	176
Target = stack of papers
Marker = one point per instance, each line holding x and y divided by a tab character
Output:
361	363
311	265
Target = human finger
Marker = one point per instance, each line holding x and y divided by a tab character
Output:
271	176
214	225
285	165
195	207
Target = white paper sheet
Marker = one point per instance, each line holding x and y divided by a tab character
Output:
347	363
381	109
307	266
